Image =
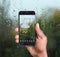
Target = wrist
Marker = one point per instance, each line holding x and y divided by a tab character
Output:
42	54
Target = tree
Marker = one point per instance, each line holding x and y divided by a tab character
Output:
51	27
54	21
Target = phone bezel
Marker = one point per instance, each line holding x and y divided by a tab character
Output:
24	13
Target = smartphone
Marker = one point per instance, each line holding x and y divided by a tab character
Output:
26	23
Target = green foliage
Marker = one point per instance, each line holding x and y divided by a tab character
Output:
50	26
8	47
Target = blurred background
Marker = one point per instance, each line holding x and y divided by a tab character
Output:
48	16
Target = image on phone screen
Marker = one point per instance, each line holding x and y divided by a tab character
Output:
27	23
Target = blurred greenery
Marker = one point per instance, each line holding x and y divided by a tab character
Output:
50	24
25	33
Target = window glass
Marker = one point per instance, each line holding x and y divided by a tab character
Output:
48	16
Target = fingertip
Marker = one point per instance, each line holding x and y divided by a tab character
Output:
17	41
37	26
37	29
17	38
16	29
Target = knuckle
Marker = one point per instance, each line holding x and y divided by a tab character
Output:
45	37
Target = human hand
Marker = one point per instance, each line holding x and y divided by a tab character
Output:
39	50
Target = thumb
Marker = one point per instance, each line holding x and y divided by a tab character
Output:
39	32
37	29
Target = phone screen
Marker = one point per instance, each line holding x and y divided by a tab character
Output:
27	28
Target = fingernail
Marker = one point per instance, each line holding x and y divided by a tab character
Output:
38	25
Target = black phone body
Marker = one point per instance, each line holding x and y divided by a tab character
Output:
26	22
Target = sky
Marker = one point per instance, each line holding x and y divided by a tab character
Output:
36	5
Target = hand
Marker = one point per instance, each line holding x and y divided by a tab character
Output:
39	50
